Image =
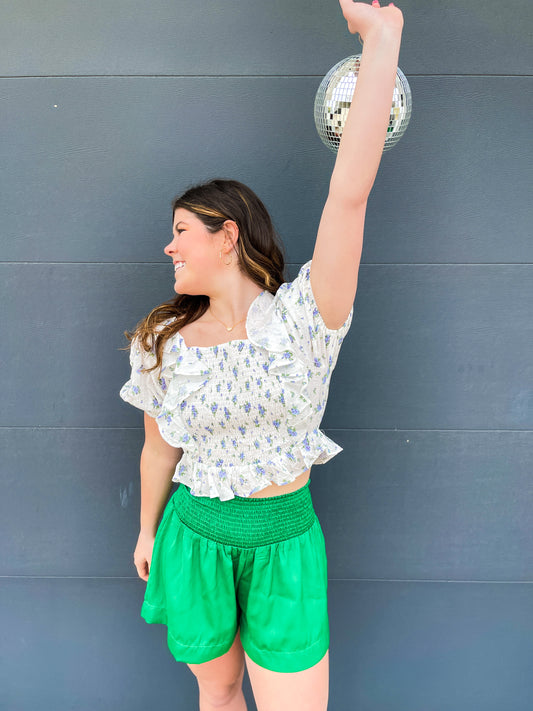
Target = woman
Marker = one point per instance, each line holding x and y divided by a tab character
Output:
235	561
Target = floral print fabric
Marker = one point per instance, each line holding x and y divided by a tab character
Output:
247	412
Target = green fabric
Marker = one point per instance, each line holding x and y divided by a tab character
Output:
247	522
255	563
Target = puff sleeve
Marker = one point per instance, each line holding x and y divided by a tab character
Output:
144	390
296	302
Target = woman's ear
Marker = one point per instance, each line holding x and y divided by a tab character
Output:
231	233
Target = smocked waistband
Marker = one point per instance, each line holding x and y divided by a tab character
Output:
246	522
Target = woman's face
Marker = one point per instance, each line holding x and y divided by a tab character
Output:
194	252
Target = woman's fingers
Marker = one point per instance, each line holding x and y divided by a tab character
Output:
363	17
142	556
142	570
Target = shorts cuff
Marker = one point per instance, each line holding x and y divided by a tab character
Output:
188	653
287	661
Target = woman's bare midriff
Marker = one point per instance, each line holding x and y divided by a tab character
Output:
276	490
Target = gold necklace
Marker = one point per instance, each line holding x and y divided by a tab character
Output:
226	327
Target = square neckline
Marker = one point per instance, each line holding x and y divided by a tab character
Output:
210	348
225	343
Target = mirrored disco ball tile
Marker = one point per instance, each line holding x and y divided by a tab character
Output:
334	97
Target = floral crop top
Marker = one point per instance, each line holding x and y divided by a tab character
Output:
247	412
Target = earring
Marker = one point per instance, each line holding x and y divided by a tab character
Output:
230	259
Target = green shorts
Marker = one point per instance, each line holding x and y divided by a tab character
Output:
258	564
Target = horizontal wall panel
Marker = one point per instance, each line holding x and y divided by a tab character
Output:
430	646
458	189
452	348
91	166
442	347
250	37
425	505
394	646
70	501
393	505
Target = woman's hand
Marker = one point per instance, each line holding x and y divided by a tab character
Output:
363	18
142	557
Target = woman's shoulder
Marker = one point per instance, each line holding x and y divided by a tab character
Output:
289	295
144	350
171	343
295	286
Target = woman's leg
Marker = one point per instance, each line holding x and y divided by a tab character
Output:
306	690
220	680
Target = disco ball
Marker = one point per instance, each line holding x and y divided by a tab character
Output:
334	97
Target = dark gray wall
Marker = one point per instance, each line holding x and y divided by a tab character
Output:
108	111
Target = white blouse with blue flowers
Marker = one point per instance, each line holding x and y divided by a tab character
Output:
247	412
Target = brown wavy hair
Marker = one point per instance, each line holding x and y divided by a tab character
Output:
259	253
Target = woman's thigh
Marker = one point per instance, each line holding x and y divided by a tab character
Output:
306	690
224	671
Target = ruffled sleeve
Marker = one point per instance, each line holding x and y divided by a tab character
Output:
306	328
144	390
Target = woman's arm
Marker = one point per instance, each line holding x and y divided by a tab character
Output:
339	242
158	463
365	131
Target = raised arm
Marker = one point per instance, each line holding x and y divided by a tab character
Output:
339	242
